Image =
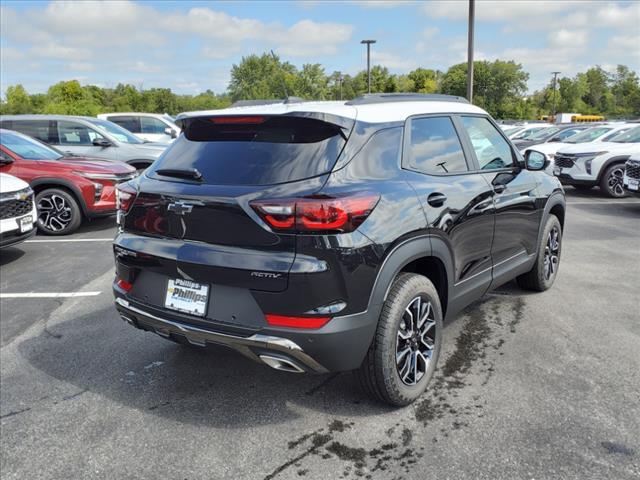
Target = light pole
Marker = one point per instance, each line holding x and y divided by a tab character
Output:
472	14
368	44
555	80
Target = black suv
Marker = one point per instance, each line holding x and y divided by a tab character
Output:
332	236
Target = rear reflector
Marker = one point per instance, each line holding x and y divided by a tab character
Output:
124	285
296	322
343	213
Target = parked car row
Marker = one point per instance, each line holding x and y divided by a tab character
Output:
591	156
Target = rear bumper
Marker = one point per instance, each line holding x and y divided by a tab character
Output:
339	346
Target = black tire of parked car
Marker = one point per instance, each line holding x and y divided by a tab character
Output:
611	181
58	212
545	270
378	375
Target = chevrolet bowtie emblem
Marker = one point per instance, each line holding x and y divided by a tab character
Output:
180	208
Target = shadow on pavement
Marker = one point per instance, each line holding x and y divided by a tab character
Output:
217	387
10	254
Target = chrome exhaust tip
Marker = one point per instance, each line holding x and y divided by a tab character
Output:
281	364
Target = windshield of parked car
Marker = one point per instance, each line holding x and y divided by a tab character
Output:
27	148
631	136
588	135
169	118
116	131
509	131
544	133
527	134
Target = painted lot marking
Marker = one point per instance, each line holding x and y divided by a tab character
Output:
71	240
49	294
601	203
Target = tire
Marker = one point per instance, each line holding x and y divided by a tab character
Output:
611	181
380	376
583	188
58	212
545	270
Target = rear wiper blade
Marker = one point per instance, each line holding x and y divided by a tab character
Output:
190	173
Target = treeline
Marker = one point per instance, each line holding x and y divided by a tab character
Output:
499	87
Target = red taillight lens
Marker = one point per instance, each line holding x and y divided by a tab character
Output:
296	322
125	195
343	213
124	285
238	120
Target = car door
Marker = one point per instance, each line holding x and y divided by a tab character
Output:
457	202
513	189
77	139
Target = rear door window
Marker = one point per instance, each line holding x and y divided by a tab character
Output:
40	129
435	147
71	133
255	150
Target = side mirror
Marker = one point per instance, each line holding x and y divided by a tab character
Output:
535	160
171	132
101	142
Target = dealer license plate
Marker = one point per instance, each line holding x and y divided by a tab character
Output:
187	296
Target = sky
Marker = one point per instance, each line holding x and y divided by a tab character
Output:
190	46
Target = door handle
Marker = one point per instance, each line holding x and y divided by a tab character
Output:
436	199
499	187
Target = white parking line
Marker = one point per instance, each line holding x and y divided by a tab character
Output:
603	203
71	240
49	295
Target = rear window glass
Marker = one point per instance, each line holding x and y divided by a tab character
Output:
263	151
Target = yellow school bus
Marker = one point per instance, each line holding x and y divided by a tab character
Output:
587	118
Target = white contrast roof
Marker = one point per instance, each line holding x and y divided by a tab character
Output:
370	112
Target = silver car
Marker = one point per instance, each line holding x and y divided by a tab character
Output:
86	137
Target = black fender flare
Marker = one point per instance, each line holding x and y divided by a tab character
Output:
556	198
400	255
611	161
60	182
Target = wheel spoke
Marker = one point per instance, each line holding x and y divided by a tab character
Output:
400	355
415	340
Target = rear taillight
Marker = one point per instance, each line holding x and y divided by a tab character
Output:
238	120
343	213
125	195
296	322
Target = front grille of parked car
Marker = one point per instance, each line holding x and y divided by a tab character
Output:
16	204
564	161
633	170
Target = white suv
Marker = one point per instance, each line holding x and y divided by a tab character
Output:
598	163
17	210
153	127
632	175
601	133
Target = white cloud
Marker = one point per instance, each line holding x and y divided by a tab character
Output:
568	39
381	3
392	61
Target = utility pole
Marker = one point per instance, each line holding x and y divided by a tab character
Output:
340	79
472	14
555	80
368	44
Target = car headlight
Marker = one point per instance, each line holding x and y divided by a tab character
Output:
98	176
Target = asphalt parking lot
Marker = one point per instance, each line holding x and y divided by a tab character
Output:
529	385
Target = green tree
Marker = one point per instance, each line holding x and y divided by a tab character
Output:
69	98
425	80
263	76
312	83
17	101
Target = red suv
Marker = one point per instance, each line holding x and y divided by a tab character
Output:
67	189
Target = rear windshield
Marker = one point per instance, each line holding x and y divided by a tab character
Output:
256	150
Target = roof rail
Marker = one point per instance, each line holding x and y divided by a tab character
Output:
251	103
370	98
